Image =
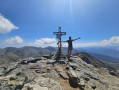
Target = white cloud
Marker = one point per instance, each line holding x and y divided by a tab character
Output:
14	40
5	25
113	41
44	42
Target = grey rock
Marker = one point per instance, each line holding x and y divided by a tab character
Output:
50	61
47	74
63	75
44	84
62	61
47	56
41	71
81	84
73	65
1	71
112	73
30	60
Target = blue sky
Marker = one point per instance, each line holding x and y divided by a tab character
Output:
32	22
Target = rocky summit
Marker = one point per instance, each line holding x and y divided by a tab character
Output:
79	72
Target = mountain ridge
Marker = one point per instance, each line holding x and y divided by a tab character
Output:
31	51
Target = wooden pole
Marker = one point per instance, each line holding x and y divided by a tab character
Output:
60	38
60	43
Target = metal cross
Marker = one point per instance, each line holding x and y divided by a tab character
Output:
58	35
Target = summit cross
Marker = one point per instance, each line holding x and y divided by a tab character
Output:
58	35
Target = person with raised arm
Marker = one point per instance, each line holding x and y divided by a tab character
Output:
70	46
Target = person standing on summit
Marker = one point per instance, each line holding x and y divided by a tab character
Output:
70	46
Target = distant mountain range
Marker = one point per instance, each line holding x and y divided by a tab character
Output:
14	54
105	57
102	53
101	50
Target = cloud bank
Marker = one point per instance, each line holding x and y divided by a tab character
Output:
44	42
113	41
5	25
14	40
